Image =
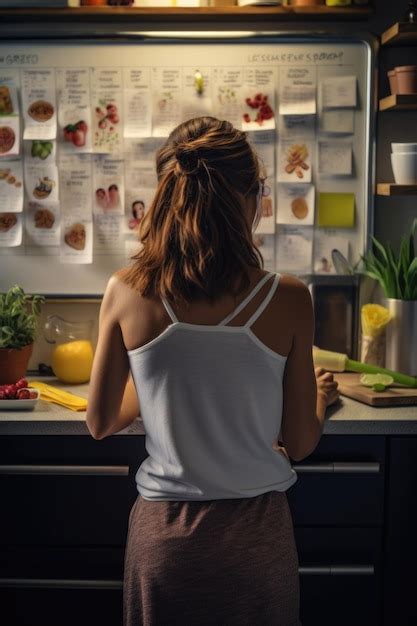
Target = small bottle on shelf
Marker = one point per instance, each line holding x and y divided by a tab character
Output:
411	13
338	3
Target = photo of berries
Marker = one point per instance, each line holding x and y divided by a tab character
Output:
107	123
259	110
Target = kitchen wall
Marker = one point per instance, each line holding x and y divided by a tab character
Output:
392	216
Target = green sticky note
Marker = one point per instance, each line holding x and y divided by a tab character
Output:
336	210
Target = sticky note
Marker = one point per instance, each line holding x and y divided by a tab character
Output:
336	210
294	249
339	91
335	158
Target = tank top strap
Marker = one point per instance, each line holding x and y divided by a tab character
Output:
248	298
261	308
169	310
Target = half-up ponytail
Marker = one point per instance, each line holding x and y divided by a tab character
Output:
196	238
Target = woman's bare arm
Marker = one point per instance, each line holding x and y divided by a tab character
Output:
112	400
303	409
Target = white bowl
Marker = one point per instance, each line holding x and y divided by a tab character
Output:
404	147
20	405
404	167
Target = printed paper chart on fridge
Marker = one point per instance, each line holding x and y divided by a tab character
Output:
77	155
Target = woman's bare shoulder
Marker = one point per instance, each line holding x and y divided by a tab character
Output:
293	301
120	275
294	288
118	292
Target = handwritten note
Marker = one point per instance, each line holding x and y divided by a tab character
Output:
341	121
166	100
335	158
339	91
294	249
297	91
293	127
137	102
11	186
325	241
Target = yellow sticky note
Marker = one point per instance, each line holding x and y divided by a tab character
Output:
336	210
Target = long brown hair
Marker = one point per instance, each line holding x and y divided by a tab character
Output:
196	238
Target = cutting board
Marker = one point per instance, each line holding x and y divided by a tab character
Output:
350	386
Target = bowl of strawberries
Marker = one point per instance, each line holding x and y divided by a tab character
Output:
18	396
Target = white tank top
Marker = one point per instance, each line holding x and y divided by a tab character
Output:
211	404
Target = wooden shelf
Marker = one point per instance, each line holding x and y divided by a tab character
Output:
399	102
400	34
391	189
188	14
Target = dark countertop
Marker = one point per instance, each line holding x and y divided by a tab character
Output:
347	418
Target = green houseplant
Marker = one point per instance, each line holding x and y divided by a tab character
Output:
398	279
18	326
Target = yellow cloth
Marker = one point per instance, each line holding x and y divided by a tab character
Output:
58	396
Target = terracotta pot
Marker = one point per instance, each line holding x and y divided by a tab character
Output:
14	363
406	78
393	82
93	3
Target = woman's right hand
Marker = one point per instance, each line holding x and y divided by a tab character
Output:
327	387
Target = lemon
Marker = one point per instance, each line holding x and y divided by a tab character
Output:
72	361
369	380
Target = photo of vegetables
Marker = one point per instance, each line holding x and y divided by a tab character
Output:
41	149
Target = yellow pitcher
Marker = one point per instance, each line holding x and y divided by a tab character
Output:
72	358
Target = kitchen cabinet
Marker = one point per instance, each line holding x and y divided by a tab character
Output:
400	546
338	513
65	507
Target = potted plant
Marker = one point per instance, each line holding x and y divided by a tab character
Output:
18	317
398	279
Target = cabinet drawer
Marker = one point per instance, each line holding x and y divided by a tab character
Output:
63	607
52	586
60	563
342	600
340	575
341	483
68	491
340	546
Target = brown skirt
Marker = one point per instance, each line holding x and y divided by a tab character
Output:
211	563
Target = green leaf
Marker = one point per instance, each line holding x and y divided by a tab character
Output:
380	249
18	315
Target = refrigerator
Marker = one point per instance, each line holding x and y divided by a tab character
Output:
83	114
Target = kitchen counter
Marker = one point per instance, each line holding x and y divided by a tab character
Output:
347	418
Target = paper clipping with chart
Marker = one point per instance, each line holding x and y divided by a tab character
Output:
297	91
294	249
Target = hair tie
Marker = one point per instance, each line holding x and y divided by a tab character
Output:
188	160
